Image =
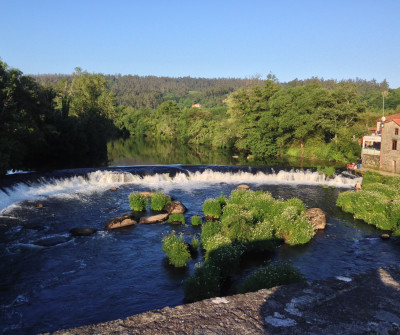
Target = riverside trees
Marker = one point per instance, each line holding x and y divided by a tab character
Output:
53	127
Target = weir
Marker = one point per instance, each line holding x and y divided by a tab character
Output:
181	178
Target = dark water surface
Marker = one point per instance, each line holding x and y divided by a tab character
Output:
51	280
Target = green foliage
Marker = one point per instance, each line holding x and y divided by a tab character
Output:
176	250
226	258
329	171
212	208
196	220
138	202
195	242
293	227
209	230
271	275
159	200
176	218
204	284
377	203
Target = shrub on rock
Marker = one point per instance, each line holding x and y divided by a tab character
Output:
196	220
176	219
158	201
137	202
212	208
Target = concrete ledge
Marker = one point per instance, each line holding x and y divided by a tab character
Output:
365	303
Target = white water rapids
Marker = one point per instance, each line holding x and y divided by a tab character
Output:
102	180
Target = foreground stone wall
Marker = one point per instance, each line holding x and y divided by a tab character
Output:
366	303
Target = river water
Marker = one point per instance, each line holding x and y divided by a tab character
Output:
51	280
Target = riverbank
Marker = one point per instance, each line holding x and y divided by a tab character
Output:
362	303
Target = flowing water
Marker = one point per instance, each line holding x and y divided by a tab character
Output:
51	280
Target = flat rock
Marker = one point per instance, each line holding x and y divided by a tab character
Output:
121	221
154	218
243	187
113	189
82	231
175	207
317	217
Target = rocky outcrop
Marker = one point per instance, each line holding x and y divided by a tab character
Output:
82	231
121	221
365	303
175	207
154	218
317	218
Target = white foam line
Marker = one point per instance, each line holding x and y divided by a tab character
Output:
101	180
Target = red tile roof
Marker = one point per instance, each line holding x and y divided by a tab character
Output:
391	117
397	121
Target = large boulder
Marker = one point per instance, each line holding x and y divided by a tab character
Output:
175	207
121	221
82	231
154	218
317	218
243	187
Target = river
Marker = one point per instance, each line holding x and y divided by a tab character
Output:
52	280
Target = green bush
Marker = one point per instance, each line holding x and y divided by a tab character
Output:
262	237
196	220
212	208
329	171
195	243
158	201
271	275
203	284
176	250
137	202
226	258
237	228
222	200
176	217
292	227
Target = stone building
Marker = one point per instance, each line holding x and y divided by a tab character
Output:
380	149
390	147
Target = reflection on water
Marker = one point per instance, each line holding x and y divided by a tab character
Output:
146	151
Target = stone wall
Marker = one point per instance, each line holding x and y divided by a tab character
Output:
370	161
365	303
390	159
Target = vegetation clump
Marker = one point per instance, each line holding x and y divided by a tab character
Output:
378	203
158	201
196	220
176	250
212	208
271	275
249	221
137	202
176	217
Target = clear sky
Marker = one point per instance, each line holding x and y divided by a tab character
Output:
337	39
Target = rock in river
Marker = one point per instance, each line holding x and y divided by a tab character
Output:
82	231
175	207
317	218
121	221
154	219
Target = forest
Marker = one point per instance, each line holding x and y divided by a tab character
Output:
53	121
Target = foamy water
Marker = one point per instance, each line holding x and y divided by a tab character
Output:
102	180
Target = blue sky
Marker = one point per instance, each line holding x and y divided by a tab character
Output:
292	39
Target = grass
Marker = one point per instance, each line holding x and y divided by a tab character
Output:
158	201
176	218
137	202
196	220
212	208
176	250
271	275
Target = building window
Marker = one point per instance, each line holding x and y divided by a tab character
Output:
396	131
394	145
